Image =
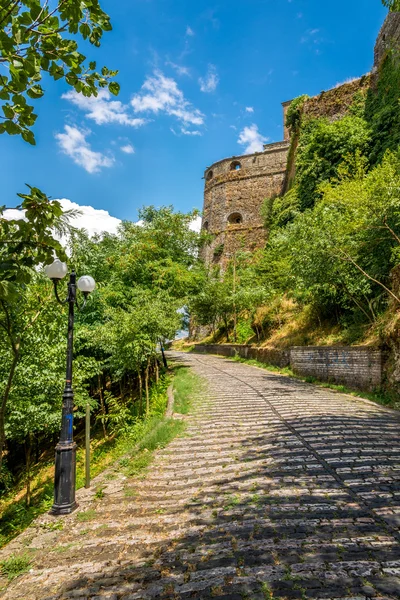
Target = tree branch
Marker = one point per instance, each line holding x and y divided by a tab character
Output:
9	12
382	285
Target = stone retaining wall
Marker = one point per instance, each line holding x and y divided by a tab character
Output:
270	356
356	367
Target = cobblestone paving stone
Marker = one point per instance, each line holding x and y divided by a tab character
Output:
279	489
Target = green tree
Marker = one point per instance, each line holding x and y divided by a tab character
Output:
342	251
34	40
25	244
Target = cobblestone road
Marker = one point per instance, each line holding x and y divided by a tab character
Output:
278	490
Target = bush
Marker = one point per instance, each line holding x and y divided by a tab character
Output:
322	148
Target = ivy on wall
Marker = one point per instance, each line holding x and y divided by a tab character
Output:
319	145
323	145
382	110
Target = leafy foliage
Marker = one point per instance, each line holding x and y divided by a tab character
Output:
33	42
144	275
322	147
27	243
294	113
382	108
333	239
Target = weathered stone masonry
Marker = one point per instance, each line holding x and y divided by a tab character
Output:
234	191
236	187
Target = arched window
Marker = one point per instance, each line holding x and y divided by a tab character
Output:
235	165
210	175
205	225
235	218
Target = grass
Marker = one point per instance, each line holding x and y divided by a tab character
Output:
15	565
378	397
232	502
186	385
99	494
136	444
87	515
159	431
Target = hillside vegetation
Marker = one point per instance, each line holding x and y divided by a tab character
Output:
328	274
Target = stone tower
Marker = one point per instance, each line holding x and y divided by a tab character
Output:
234	192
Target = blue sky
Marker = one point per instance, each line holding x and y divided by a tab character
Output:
200	81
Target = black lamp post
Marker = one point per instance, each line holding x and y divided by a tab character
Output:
65	461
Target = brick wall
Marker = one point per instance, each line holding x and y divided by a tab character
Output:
356	367
359	368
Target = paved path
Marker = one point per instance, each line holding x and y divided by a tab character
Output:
278	490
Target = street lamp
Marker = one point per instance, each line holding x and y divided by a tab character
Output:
65	461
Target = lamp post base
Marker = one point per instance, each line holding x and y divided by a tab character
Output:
64	480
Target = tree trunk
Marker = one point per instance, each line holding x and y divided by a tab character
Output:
227	329
28	463
37	448
157	370
3	406
140	393
103	408
147	387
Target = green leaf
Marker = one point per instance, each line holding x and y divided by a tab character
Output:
35	91
29	137
11	128
84	30
8	111
114	88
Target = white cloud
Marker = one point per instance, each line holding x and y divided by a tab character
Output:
73	143
252	139
195	225
189	31
249	109
188	132
94	220
160	94
181	70
102	109
128	149
210	81
184	131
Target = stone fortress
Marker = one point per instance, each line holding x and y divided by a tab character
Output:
236	187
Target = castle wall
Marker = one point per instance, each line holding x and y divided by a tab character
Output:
239	194
286	132
388	36
335	103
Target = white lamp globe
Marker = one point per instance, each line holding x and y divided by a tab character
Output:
86	284
57	270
